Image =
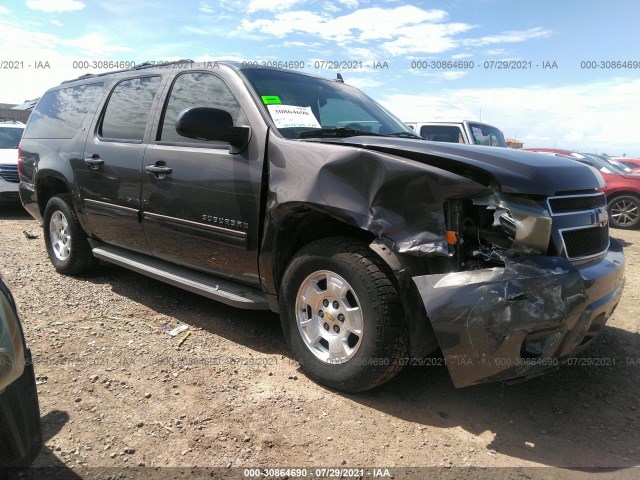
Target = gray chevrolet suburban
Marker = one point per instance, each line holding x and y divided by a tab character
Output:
272	189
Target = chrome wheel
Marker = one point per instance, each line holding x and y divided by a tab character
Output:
624	212
59	235
329	317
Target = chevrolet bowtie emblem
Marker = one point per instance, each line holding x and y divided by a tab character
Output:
329	316
601	217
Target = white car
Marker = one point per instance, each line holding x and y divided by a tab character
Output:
460	131
10	135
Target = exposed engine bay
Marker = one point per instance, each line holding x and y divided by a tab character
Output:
485	232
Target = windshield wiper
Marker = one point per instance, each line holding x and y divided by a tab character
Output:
341	132
404	135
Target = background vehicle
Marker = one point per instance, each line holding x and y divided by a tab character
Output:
272	189
10	134
622	188
20	427
610	162
463	131
632	163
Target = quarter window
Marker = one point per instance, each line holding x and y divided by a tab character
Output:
128	109
60	113
197	90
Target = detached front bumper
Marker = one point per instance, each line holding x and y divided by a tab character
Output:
515	322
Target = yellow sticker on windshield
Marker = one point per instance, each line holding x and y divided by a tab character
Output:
271	99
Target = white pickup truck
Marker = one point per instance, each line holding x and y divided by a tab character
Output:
460	131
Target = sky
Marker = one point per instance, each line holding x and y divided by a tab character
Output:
575	85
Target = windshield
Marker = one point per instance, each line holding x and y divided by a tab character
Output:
10	137
605	165
303	106
487	135
615	163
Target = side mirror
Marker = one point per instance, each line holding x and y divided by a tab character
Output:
205	123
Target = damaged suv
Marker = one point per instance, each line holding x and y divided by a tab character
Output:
277	190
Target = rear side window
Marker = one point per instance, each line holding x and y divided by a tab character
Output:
197	90
441	133
60	113
127	112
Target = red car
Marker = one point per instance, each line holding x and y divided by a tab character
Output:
622	189
632	163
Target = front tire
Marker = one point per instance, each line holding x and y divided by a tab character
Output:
66	242
624	212
342	315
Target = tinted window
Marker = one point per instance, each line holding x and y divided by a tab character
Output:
10	137
128	109
60	113
197	90
441	133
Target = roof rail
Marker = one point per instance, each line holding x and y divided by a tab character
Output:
164	64
137	67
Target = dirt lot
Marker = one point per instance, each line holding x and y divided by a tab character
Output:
116	390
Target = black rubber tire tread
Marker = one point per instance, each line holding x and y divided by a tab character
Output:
81	259
631	197
361	267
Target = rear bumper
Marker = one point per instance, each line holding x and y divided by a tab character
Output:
515	322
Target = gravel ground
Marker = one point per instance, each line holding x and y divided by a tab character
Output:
116	390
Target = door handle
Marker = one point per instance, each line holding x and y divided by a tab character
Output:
159	169
94	161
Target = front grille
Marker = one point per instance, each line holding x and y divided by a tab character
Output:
576	203
586	242
9	173
10	195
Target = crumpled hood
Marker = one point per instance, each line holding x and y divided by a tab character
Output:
514	171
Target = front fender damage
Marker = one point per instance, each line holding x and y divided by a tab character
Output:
514	322
399	201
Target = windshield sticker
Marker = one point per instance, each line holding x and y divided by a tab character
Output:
477	133
271	99
287	116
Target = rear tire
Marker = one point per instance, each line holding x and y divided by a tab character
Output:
66	242
624	212
342	315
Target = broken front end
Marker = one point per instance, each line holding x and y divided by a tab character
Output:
529	280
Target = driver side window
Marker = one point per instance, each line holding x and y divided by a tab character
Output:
197	89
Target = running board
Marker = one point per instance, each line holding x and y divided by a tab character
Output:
207	285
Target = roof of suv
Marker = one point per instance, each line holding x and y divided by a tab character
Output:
206	65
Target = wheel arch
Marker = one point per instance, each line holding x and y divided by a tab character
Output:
300	225
290	229
47	187
619	193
